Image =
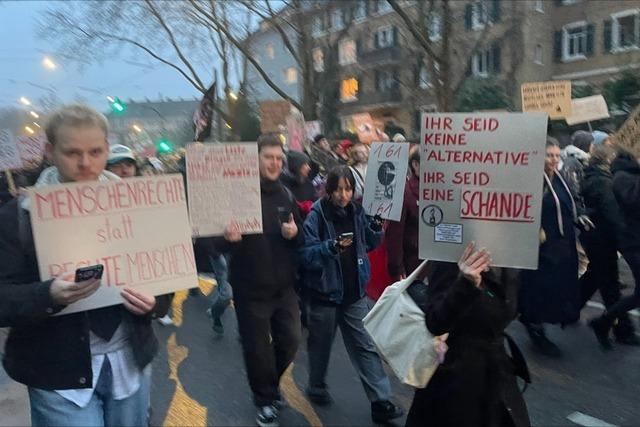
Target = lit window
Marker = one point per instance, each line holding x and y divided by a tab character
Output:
347	52
625	30
270	51
574	41
318	60
349	90
291	75
537	54
384	37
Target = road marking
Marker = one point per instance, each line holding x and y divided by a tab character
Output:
587	420
297	400
594	304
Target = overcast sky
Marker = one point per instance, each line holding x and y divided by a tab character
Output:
22	73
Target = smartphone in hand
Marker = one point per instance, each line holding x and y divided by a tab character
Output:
283	214
91	272
345	236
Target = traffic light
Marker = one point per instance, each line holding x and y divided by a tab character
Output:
164	146
118	106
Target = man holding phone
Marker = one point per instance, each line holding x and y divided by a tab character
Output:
263	276
82	369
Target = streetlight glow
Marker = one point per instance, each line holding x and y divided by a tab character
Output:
228	125
34	114
48	63
37	125
30	130
24	101
233	96
137	128
110	98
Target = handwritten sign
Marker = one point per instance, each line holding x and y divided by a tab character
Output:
223	182
9	154
553	98
367	130
385	180
628	135
587	110
273	115
481	180
137	228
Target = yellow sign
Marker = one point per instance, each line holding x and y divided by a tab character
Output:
553	98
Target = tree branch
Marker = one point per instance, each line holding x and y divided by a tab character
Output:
420	38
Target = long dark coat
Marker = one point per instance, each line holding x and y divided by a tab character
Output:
476	385
551	294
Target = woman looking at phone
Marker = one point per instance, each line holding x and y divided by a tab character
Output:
337	237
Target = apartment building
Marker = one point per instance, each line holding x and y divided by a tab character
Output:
384	71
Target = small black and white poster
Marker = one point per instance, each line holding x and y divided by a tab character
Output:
448	233
385	180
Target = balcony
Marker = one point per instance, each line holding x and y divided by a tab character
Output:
386	55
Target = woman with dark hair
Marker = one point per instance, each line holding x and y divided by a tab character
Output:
551	293
337	237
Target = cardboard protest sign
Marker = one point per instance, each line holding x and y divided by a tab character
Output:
367	130
628	136
32	148
9	153
273	114
553	98
312	129
296	133
587	109
385	180
481	180
137	228
223	184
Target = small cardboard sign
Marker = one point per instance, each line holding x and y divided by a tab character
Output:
553	98
385	180
587	109
628	135
296	132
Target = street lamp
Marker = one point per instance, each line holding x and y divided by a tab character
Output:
30	130
48	63
233	96
137	128
37	125
24	101
34	114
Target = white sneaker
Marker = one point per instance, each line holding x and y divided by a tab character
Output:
267	416
165	320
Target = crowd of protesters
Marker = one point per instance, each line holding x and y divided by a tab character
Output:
319	265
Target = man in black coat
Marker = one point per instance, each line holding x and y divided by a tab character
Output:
263	276
86	368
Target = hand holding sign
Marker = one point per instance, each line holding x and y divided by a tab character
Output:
232	233
472	263
289	229
136	302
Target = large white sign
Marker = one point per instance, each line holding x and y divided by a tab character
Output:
385	180
481	180
9	154
137	228
223	187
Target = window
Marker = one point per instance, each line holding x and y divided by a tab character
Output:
625	30
337	19
360	11
568	2
270	51
347	52
538	6
291	75
384	37
574	41
424	79
486	62
434	25
380	6
386	80
537	55
317	26
318	60
479	15
349	90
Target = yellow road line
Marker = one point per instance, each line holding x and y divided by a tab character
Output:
297	400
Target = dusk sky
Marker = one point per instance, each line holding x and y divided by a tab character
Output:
22	72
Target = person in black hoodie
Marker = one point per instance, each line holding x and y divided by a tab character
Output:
263	276
296	179
601	242
626	188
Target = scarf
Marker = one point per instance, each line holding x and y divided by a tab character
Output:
557	200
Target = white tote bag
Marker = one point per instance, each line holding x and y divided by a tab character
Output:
397	326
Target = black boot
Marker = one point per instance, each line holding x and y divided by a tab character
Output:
625	332
540	341
601	327
384	411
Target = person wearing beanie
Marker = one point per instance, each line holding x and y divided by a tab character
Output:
601	138
122	161
296	179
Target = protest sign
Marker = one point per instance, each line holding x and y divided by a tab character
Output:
295	131
223	184
9	153
385	180
553	98
32	148
273	115
137	228
587	110
481	180
367	130
312	129
628	135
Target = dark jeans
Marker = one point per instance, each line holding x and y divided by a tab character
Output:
633	301
222	294
601	274
270	331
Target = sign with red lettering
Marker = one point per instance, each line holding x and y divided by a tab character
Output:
137	229
385	180
9	154
223	183
481	180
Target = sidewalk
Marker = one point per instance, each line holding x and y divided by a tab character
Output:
14	404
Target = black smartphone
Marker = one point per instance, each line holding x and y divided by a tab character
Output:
91	272
345	236
283	214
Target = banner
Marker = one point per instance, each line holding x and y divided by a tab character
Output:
385	180
628	135
273	115
481	180
223	185
137	228
9	153
296	133
553	98
587	109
